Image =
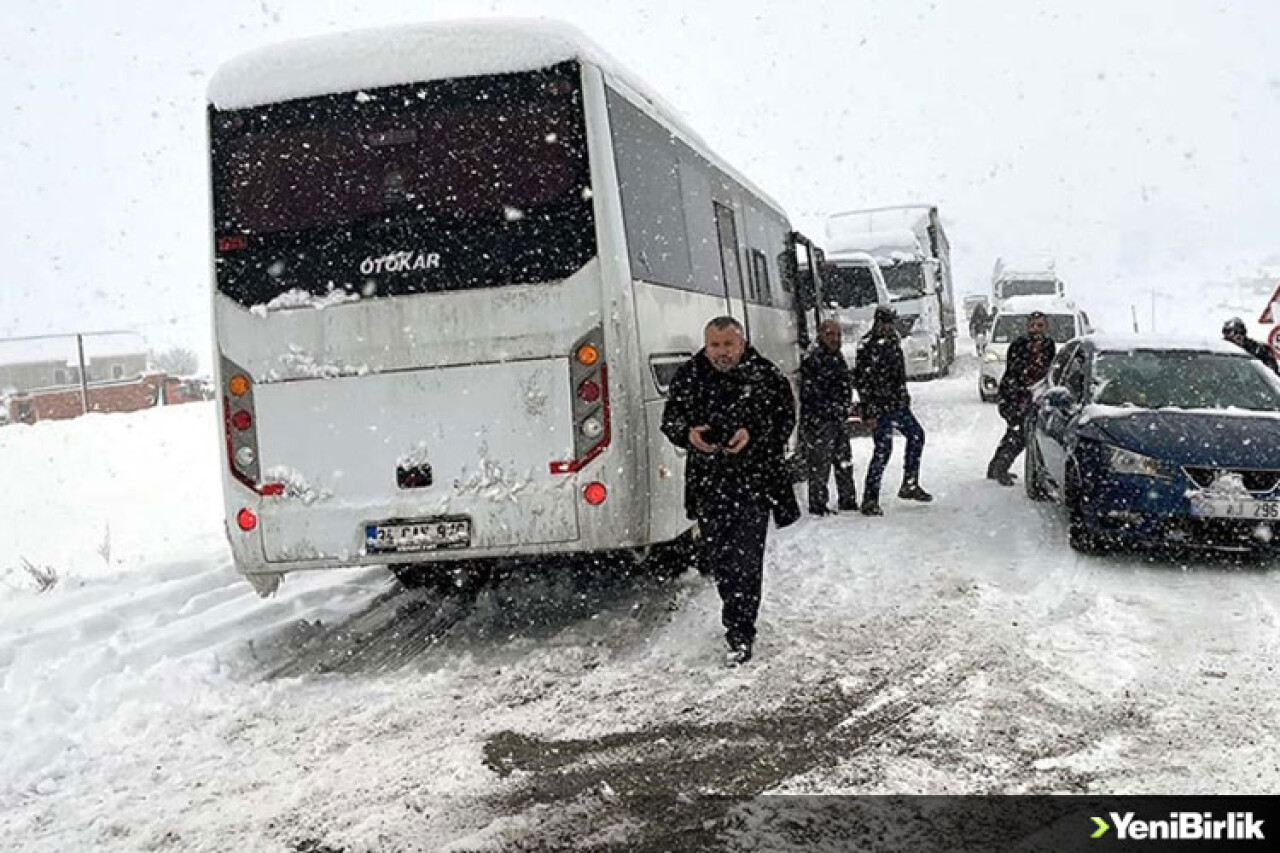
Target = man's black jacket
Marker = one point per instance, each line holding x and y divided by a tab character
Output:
826	388
1261	352
755	396
880	375
1026	363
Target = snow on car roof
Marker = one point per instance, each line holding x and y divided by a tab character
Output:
1124	343
419	53
1037	302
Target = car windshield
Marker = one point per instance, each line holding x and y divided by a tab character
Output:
1028	287
1157	379
904	279
1062	327
849	286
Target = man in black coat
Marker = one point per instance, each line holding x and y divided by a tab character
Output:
1026	363
1234	331
733	410
880	375
826	396
979	325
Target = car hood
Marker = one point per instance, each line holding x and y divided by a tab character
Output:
1232	439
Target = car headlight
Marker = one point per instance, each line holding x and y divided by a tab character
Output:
990	356
1123	461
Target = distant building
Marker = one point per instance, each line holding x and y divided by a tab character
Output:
48	363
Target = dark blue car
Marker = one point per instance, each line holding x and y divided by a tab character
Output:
1159	444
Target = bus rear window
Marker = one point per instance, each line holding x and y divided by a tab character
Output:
487	177
472	158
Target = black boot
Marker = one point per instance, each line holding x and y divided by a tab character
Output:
871	506
1003	477
913	492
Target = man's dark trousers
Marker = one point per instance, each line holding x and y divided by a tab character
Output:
911	430
733	539
1014	441
828	445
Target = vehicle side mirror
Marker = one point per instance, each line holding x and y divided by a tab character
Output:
1058	398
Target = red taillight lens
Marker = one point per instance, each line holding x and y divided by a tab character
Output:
594	493
588	391
246	520
232	243
272	489
241	420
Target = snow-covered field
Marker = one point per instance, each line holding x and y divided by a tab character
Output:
151	702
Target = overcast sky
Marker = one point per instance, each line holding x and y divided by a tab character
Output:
1136	140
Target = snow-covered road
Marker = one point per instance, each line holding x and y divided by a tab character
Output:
151	701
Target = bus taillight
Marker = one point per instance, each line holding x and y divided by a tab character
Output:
238	424
233	243
589	378
594	493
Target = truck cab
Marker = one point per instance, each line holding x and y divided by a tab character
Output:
914	260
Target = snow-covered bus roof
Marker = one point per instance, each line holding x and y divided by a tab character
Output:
420	53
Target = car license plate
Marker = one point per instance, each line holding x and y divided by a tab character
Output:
429	534
1244	509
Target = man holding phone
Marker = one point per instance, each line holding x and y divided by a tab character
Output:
733	410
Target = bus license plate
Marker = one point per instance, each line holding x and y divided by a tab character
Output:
426	535
1247	510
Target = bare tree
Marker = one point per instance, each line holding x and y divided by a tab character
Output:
175	361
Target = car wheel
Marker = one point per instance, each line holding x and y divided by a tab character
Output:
1031	475
1079	536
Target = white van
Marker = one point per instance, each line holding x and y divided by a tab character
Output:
1066	321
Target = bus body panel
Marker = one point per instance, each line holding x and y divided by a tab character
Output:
487	433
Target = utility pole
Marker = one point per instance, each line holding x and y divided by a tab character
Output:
84	379
1134	310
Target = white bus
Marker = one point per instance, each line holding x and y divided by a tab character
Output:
455	267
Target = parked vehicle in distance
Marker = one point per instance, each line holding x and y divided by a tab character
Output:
1034	276
1066	321
911	247
852	286
1158	443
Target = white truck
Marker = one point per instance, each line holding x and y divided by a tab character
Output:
914	258
1032	276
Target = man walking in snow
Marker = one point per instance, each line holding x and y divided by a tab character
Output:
1027	363
732	410
880	375
1234	331
979	325
826	395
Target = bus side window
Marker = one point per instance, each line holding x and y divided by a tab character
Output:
664	368
758	265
